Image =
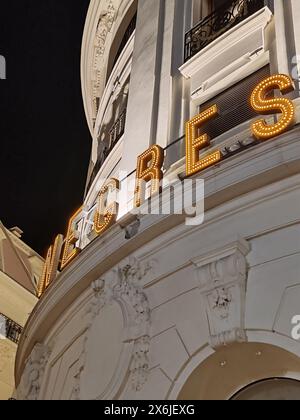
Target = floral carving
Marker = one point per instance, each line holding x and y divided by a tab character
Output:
140	363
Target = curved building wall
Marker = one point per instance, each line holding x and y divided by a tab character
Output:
153	308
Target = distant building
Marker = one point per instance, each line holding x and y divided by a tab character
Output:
20	269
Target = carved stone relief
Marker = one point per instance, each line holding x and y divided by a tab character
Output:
223	278
122	285
30	385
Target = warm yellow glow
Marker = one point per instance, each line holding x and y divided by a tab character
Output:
51	265
195	144
261	130
198	158
106	216
149	169
70	250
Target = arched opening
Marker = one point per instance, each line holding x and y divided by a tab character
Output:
231	369
124	33
273	389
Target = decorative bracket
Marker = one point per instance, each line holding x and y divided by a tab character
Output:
222	277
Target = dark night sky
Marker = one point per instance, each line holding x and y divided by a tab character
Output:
45	142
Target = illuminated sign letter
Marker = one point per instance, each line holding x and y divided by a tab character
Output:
195	144
70	250
261	130
106	216
149	169
51	265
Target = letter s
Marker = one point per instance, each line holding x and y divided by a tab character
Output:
263	105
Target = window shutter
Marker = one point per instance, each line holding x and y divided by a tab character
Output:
234	105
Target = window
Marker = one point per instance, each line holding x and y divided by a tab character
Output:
212	18
202	8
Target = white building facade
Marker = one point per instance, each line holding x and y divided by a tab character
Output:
153	308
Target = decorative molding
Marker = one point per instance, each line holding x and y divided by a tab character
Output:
139	367
222	278
32	377
122	286
105	24
97	303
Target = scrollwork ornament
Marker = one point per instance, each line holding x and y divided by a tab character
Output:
122	285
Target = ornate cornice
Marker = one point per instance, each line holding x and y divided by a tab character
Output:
103	20
104	26
99	23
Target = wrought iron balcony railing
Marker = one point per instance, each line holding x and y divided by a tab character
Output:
115	134
10	329
220	21
117	130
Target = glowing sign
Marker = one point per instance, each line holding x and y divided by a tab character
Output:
149	169
51	265
195	144
70	250
150	163
105	217
264	106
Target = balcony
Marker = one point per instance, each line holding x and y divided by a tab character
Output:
217	23
117	131
115	134
11	330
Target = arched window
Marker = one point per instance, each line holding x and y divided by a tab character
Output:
123	35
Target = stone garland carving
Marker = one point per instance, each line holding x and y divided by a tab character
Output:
104	27
223	287
31	381
129	290
139	367
124	288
